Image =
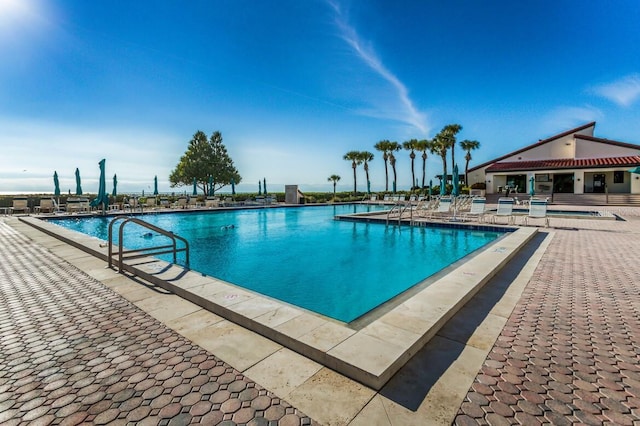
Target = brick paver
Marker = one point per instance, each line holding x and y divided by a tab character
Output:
72	351
570	352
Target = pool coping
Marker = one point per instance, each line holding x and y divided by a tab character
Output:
371	354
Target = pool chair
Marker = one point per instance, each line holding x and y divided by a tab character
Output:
151	202
443	209
505	209
46	206
20	204
477	209
212	202
181	203
537	210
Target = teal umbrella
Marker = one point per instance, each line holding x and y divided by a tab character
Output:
195	187
430	187
443	186
210	192
155	185
264	187
56	184
115	186
394	186
78	185
233	186
532	189
259	188
455	191
102	197
635	170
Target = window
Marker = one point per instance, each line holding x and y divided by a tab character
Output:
618	177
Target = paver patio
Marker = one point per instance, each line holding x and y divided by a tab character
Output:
567	354
73	351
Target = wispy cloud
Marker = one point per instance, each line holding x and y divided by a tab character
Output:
623	92
408	113
566	117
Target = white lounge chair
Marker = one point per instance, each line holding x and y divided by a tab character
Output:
537	210
505	209
477	210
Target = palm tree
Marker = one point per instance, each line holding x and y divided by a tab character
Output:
451	131
442	142
365	157
468	146
354	157
412	146
394	147
383	146
423	146
334	179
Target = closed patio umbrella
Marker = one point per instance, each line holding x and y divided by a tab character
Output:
210	191
102	197
195	187
455	191
115	186
532	186
264	186
443	186
233	186
56	184
259	187
78	185
155	185
430	187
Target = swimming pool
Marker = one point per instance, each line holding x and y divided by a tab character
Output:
302	256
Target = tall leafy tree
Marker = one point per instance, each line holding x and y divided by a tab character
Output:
354	157
335	179
394	147
205	160
423	146
383	146
468	146
365	157
412	145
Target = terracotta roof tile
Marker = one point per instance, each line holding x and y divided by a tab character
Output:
564	163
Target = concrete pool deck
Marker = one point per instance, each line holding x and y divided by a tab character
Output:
431	387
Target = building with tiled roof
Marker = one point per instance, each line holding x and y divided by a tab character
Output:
572	162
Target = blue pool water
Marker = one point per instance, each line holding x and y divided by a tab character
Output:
303	256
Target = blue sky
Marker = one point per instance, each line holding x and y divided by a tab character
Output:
295	84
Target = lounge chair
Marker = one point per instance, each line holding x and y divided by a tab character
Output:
505	209
181	203
20	204
75	205
151	202
46	206
443	208
477	209
537	210
212	202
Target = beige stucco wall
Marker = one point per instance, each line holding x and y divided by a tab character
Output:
591	149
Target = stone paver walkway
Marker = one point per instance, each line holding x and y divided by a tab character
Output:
73	351
570	352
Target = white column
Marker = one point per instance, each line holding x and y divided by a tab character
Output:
578	182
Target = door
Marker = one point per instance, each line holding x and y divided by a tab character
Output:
598	182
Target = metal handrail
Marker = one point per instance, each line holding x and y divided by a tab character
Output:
402	207
143	252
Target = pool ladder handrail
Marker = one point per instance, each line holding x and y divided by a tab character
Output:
401	206
147	251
